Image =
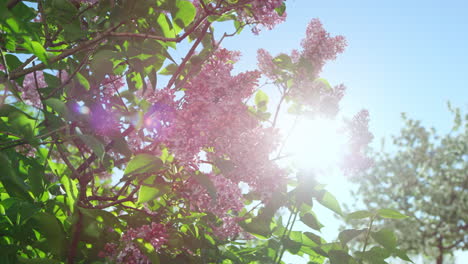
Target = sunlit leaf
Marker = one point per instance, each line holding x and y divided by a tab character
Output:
147	193
143	163
347	235
359	215
386	238
389	213
311	221
93	143
10	180
261	100
37	49
83	81
340	257
58	106
184	15
329	201
53	231
148	250
71	189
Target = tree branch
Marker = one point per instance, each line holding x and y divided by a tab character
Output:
188	56
41	66
12	3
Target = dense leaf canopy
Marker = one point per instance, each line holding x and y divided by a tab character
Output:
114	151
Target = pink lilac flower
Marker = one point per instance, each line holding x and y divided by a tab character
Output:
211	107
319	47
212	114
128	251
262	12
29	90
266	64
330	98
104	121
229	196
227	203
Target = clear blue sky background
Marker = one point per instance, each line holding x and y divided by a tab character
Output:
402	56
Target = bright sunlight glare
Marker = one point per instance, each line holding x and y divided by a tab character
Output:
316	144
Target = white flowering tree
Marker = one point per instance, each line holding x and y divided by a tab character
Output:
426	178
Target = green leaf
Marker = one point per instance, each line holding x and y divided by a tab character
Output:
258	227
169	69
311	221
283	61
71	188
329	201
22	260
375	255
166	157
94	144
36	179
12	62
184	15
280	10
386	238
323	82
339	257
143	163
18	210
83	81
51	80
313	237
205	181
52	229
148	250
134	81
166	27
37	49
101	216
120	144
101	63
147	193
13	185
291	245
24	125
349	234
359	215
261	100
389	213
402	254
58	106
73	31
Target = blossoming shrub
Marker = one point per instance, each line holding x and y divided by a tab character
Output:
105	161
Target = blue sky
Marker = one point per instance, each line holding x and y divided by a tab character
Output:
402	56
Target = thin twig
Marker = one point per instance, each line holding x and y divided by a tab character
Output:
82	63
368	233
188	56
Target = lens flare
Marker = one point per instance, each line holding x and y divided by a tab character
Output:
316	144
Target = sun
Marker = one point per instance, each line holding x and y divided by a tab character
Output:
316	144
